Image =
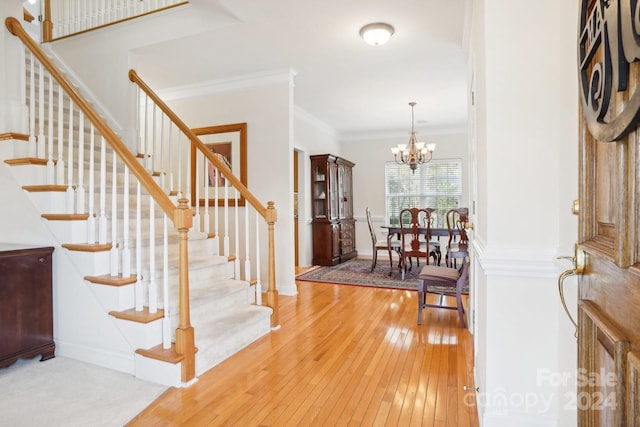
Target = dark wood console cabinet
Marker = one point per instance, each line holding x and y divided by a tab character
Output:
26	303
333	225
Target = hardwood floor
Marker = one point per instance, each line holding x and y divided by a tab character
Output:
344	356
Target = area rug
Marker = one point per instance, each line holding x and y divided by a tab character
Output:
358	272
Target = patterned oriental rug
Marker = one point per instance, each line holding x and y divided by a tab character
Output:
358	272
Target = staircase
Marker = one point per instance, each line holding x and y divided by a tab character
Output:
117	264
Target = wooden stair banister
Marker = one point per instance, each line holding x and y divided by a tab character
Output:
181	215
269	212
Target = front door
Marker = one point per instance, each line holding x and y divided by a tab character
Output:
609	289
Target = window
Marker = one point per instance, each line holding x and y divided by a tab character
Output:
437	184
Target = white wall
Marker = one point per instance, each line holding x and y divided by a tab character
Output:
311	137
12	108
523	59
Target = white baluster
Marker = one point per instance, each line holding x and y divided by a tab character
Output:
60	161
126	253
145	138
139	286
51	168
236	237
226	219
71	203
74	17
67	17
216	216
102	221
247	256
187	189
31	145
180	194
161	169
80	191
207	177
42	140
102	13
196	217
166	320
170	153
114	217
91	221
153	287
153	140
258	283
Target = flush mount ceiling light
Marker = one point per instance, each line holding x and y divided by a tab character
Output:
377	33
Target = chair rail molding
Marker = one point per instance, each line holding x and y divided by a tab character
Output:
504	260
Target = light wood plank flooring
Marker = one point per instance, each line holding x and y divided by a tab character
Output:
344	356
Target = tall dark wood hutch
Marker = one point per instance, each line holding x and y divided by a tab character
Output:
334	231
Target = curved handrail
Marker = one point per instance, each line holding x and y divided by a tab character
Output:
15	28
222	167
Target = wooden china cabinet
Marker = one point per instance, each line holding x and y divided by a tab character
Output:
334	231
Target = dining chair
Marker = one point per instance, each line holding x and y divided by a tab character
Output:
458	244
415	224
434	245
386	245
443	281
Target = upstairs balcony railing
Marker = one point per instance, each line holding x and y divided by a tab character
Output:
64	18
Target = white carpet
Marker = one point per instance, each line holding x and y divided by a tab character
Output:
62	392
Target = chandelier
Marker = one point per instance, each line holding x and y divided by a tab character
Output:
415	153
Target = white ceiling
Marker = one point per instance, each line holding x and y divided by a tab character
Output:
353	88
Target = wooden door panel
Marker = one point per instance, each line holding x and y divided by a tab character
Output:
633	384
605	191
602	360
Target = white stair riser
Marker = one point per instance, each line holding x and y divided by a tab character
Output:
157	371
140	335
114	298
90	263
29	174
53	202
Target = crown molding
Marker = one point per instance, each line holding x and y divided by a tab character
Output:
230	84
312	120
400	133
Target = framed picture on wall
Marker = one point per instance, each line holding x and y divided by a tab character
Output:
229	144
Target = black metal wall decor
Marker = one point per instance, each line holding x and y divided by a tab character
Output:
608	42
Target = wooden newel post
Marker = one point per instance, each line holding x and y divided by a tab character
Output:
47	23
272	292
185	337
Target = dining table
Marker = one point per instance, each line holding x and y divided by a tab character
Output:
433	232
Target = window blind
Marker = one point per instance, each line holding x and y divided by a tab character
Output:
437	184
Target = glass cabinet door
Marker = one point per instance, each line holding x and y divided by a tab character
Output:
320	189
333	190
345	187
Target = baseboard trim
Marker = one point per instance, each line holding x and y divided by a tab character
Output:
110	360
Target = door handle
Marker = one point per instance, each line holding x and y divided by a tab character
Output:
579	261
